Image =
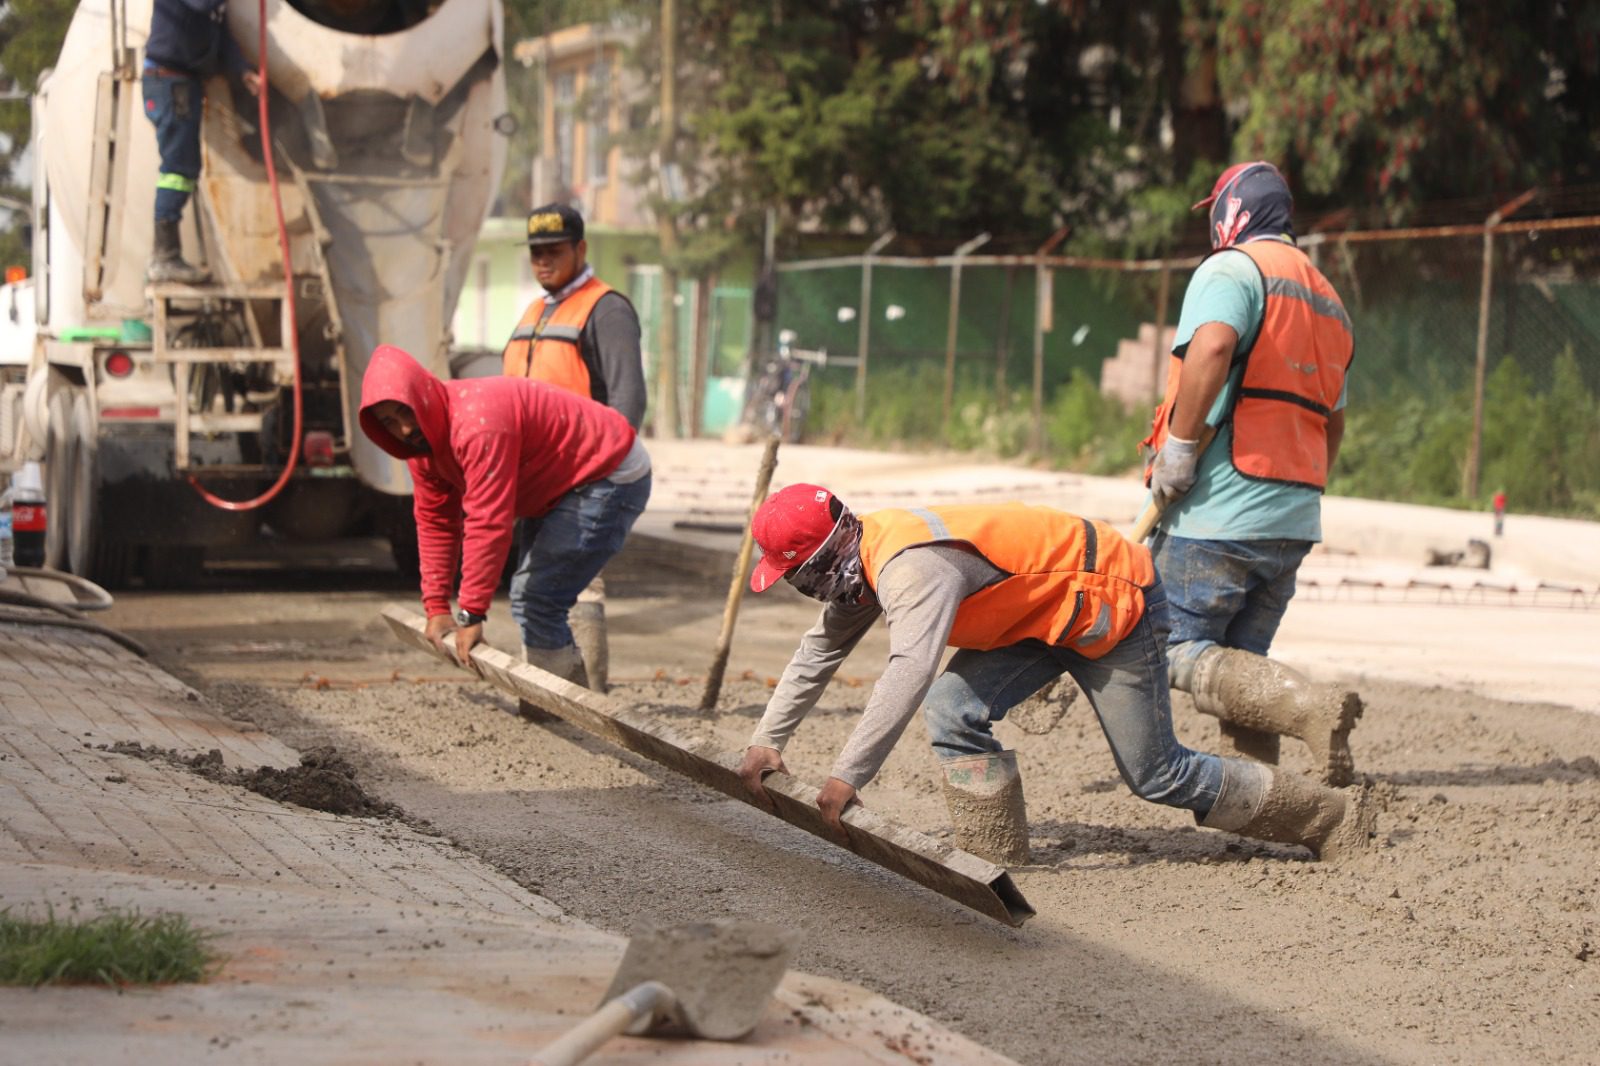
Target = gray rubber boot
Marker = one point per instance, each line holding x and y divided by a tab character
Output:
166	258
1255	696
1258	801
1249	743
984	794
588	622
566	663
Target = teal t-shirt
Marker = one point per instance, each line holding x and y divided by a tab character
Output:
1224	504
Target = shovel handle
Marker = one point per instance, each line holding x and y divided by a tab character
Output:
1146	522
583	1039
1152	513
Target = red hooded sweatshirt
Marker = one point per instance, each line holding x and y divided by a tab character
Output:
500	449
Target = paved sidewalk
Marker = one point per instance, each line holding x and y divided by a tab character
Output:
347	940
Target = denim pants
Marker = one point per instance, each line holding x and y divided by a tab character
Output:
1127	687
1224	592
559	553
173	105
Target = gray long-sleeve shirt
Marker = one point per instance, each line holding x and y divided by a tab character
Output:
920	591
609	345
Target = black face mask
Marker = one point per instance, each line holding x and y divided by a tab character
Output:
834	574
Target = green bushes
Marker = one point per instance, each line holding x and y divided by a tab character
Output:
1541	445
1084	431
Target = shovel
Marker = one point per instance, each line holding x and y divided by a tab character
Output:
709	980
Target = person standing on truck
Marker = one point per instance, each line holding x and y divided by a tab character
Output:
1260	356
189	41
583	336
484	452
1024	594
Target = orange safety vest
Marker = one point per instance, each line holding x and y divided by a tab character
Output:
1071	581
546	349
1294	373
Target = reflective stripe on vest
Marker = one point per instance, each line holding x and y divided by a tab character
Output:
1294	373
1070	581
547	349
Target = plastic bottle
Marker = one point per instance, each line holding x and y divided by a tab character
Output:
8	544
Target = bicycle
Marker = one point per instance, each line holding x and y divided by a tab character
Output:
782	393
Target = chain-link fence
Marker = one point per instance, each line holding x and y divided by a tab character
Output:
1477	355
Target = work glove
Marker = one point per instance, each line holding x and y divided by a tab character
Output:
1173	472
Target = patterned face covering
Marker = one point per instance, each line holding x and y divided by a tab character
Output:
833	574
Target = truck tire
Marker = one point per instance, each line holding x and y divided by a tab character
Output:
59	464
91	554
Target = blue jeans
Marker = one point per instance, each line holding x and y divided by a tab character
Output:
1227	592
1127	687
173	105
561	552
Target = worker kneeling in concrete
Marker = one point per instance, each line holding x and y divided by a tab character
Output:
484	452
1025	594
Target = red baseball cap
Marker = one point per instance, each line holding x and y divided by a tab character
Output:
1227	177
790	528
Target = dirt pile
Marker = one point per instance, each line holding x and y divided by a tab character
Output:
324	781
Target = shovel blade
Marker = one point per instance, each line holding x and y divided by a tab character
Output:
721	975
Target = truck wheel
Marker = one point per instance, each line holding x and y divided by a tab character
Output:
59	464
90	552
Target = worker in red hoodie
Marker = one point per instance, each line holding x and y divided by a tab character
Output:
484	452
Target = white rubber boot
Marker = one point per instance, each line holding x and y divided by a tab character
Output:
587	620
1258	801
565	663
1258	699
984	794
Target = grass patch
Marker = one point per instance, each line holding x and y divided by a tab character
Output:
113	948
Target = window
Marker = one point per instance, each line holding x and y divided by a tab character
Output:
597	137
565	100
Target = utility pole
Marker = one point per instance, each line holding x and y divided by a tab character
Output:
667	229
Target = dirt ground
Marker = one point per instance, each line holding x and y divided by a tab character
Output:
1467	935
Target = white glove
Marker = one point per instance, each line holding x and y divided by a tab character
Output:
1173	473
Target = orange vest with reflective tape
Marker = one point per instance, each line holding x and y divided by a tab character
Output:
1294	373
547	349
1071	581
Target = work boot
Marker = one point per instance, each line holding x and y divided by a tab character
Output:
166	258
1253	696
1258	801
984	794
588	621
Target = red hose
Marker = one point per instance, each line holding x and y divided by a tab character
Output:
288	282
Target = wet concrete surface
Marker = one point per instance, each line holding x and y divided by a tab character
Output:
1465	936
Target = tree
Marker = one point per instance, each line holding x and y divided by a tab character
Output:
1396	102
31	32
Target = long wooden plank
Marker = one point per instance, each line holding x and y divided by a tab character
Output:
951	872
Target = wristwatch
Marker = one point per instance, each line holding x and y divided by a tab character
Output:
465	617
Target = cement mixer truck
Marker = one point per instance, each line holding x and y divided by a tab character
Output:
147	402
